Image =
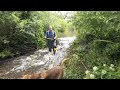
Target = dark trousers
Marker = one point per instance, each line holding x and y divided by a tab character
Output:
51	44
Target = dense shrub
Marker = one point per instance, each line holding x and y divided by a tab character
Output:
98	40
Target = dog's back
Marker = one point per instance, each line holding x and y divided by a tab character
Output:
33	76
56	72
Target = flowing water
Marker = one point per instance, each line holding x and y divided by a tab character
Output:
41	60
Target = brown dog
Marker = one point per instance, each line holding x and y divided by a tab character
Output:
54	73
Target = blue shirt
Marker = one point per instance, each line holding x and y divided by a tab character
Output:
50	34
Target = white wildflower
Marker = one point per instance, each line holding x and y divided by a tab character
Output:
92	76
75	56
87	72
87	76
95	68
103	72
111	65
104	65
112	68
95	72
5	41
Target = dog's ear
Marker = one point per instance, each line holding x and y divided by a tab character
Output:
63	62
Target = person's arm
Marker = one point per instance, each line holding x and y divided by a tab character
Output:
55	35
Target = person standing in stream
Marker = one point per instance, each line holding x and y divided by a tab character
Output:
50	35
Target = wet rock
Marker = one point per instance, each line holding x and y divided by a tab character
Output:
50	66
28	58
34	56
39	63
46	58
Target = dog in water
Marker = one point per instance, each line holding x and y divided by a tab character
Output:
56	72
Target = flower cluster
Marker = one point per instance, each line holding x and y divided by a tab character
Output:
99	72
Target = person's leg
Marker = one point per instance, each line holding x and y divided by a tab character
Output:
49	46
50	49
54	46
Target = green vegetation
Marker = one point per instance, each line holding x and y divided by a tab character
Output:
94	55
23	31
97	44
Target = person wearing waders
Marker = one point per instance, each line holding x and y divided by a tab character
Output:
50	35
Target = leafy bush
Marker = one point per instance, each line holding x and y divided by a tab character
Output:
98	40
103	72
5	53
23	31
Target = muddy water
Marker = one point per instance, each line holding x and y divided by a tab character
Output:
41	60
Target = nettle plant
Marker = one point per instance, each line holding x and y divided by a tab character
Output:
103	72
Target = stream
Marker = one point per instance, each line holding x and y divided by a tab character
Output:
41	60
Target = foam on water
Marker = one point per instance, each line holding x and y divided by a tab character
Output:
48	59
